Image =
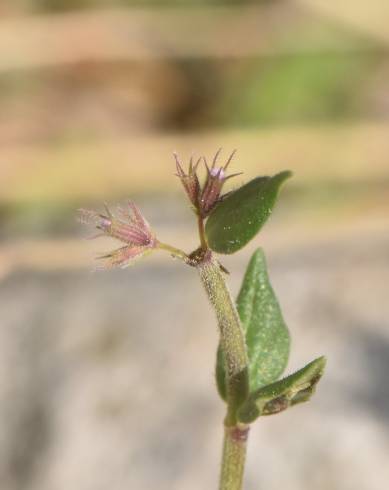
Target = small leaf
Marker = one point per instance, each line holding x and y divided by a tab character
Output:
239	217
267	336
278	396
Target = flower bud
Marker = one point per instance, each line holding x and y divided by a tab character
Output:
216	177
190	181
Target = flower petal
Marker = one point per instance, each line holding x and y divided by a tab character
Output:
124	256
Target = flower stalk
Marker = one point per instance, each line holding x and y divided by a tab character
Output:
174	252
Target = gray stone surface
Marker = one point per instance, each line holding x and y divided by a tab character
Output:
106	379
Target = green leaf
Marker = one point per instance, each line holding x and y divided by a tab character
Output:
240	216
267	337
278	396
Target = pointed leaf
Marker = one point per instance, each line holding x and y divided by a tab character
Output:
240	216
267	337
278	396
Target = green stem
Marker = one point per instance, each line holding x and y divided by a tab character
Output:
203	240
234	346
234	456
175	252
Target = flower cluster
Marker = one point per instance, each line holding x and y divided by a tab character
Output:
129	227
204	198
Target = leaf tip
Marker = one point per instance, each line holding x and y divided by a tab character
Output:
320	363
258	255
281	177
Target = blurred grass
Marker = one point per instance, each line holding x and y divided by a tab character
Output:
287	87
64	5
292	89
340	172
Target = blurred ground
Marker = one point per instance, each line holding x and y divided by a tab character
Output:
106	379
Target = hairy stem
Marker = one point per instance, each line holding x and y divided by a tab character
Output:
234	456
234	347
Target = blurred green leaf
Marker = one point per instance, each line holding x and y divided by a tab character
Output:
267	336
299	87
278	396
237	219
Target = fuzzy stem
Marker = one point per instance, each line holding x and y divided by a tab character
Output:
235	350
234	456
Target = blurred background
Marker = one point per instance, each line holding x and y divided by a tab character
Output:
106	379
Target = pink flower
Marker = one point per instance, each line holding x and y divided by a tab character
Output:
216	177
129	227
204	198
190	181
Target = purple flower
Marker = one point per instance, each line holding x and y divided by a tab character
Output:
216	177
204	198
190	180
129	227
